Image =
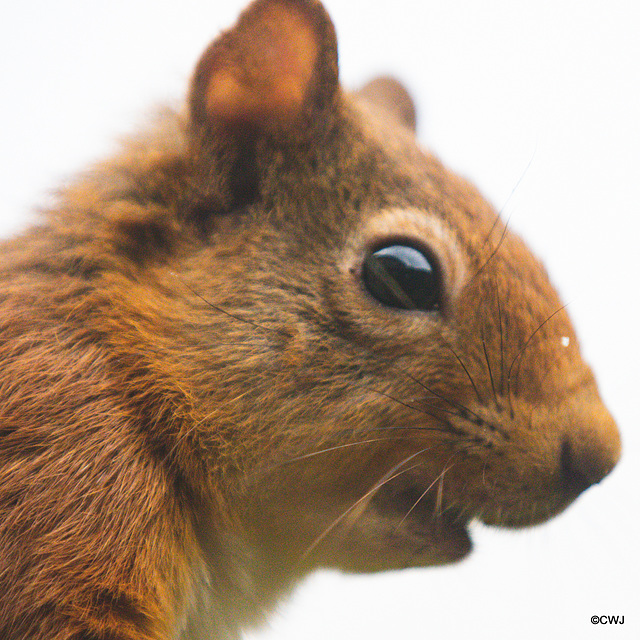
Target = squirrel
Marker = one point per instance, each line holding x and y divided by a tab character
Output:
272	334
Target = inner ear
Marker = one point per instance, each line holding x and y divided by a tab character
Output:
389	94
276	64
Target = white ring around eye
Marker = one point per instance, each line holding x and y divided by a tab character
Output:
414	226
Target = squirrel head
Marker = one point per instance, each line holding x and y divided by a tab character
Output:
373	357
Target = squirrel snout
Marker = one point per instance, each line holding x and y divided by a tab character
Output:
590	453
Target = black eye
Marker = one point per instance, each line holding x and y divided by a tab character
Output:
401	276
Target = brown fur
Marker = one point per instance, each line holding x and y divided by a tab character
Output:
200	401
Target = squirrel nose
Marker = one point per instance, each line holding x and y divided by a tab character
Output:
588	454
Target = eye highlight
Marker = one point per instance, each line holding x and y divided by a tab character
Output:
403	277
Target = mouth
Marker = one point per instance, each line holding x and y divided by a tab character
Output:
421	520
425	509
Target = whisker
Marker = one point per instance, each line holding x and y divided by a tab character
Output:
414	408
511	194
499	304
461	409
313	454
535	406
424	493
519	182
440	492
496	219
464	368
326	450
410	428
495	251
362	502
526	344
486	357
229	314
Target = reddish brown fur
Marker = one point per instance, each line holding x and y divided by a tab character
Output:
200	401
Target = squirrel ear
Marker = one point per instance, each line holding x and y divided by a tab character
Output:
393	97
278	63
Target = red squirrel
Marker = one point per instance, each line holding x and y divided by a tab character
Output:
272	334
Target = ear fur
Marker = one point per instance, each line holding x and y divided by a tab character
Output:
393	97
273	75
277	65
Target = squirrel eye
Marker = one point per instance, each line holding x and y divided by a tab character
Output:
403	277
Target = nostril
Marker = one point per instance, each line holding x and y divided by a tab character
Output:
588	449
575	477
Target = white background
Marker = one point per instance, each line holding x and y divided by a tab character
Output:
540	96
